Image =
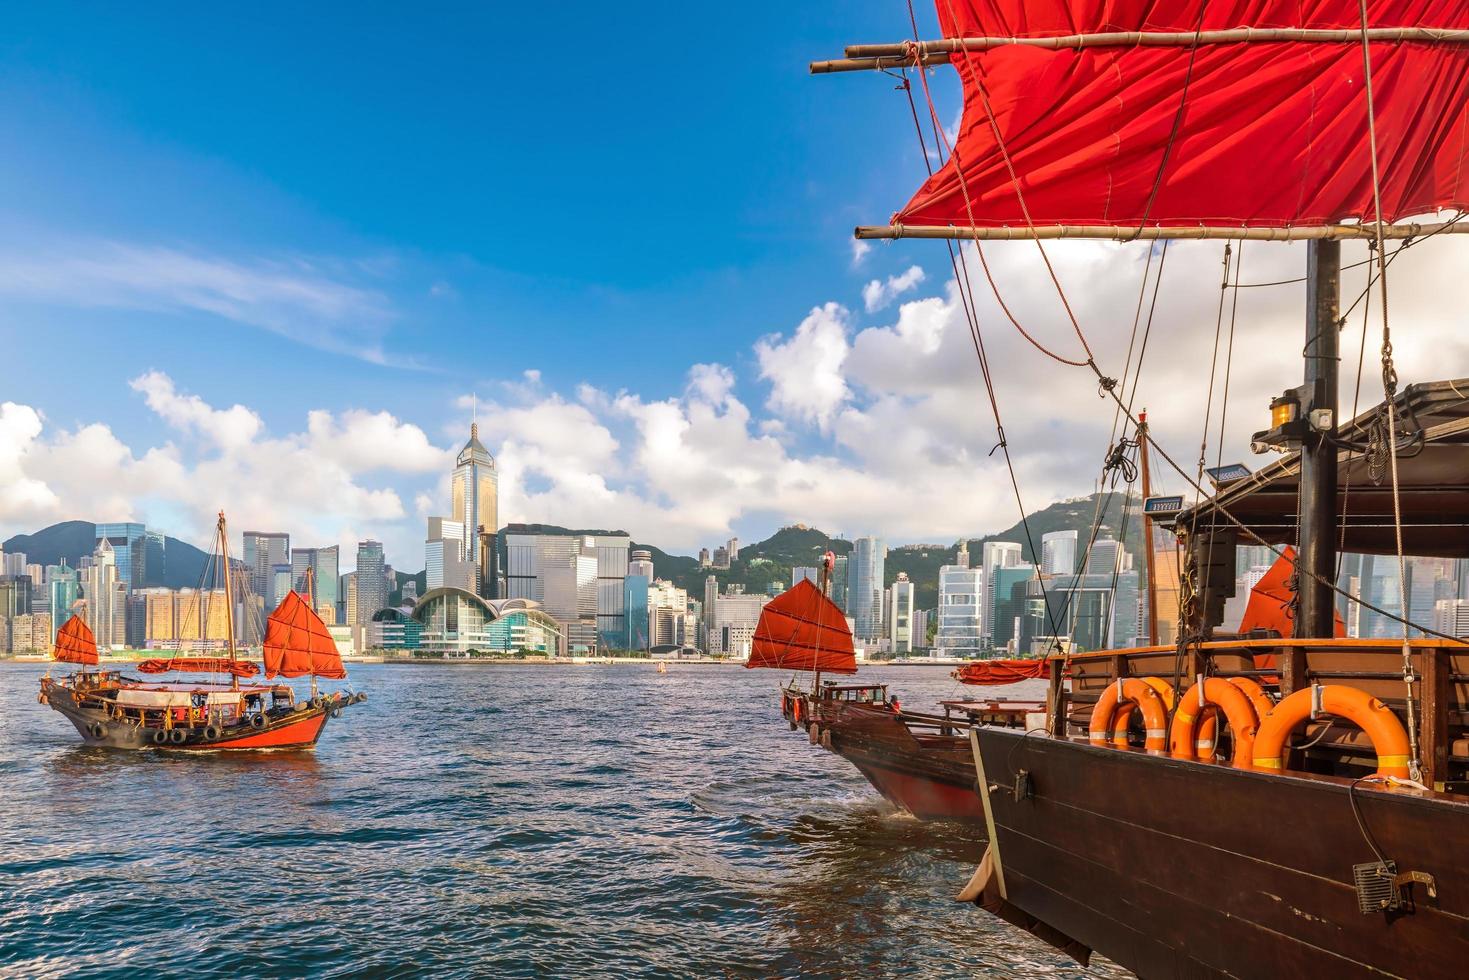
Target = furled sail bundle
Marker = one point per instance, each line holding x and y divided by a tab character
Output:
990	673
801	629
297	642
200	665
75	643
1120	115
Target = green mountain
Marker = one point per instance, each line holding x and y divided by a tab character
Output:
183	564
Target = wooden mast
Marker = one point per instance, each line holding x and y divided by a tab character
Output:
229	599
1149	565
1318	521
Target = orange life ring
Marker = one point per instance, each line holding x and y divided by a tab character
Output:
1124	710
1148	700
1256	694
1183	737
1389	739
796	710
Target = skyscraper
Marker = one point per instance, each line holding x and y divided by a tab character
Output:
137	552
995	556
372	588
106	595
864	586
1058	552
961	618
1105	557
580	580
324	566
640	562
64	589
900	615
263	551
476	505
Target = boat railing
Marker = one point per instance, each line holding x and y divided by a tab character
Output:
1440	669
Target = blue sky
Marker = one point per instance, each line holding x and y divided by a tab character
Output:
262	259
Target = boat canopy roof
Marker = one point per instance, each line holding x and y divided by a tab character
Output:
1432	484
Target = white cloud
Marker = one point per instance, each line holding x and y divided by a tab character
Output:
294	297
860	251
805	372
880	293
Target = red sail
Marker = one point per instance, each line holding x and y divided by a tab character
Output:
297	642
75	643
988	673
1273	598
801	629
1272	134
200	665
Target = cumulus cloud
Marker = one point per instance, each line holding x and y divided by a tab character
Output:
880	293
860	250
805	371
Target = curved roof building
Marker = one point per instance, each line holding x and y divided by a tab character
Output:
456	622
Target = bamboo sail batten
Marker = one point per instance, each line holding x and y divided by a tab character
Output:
1125	233
876	57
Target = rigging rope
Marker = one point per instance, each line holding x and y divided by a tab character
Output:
1389	386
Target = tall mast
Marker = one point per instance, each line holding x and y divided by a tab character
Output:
1318	520
1150	571
229	597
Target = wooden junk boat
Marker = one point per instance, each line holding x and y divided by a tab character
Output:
1325	831
112	710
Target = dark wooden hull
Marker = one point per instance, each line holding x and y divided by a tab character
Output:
1175	868
929	776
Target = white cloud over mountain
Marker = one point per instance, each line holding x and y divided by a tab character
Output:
882	428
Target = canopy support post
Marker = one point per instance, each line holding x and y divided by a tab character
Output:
1318	521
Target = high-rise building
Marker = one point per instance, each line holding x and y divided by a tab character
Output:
839	582
921	619
263	551
900	615
711	593
1008	586
323	564
1058	553
962	622
410	592
137	552
640	562
1105	557
444	556
638	602
580	580
1451	616
732	623
667	606
732	548
372	588
105	594
704	558
994	556
476	505
721	558
29	633
864	586
12	562
64	589
280	584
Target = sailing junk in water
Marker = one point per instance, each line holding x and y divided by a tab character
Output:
1238	120
112	710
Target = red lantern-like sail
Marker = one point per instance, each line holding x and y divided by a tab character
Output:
801	629
75	643
1214	130
297	642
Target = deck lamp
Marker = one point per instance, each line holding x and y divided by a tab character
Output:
1288	425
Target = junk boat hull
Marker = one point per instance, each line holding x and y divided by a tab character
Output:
1179	868
104	719
920	763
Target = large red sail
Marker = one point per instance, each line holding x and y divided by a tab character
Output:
1272	600
801	629
75	643
297	642
990	673
1271	134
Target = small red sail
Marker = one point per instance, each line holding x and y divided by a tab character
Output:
75	643
1273	597
200	665
1269	135
988	673
297	642
801	629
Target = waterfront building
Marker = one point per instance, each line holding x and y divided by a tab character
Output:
186	620
475	493
994	556
732	623
637	600
29	633
106	598
961	619
323	566
921	619
349	599
711	593
372	587
667	606
806	573
444	556
64	590
839	582
1009	588
1058	553
138	553
579	580
640	562
864	586
900	615
262	551
458	623
394	629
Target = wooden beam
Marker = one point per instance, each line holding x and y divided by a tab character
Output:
1433	737
1127	233
1167	39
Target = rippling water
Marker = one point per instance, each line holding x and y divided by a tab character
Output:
507	821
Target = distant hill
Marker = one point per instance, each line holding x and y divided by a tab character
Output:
183	564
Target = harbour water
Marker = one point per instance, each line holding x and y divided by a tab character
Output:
490	821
